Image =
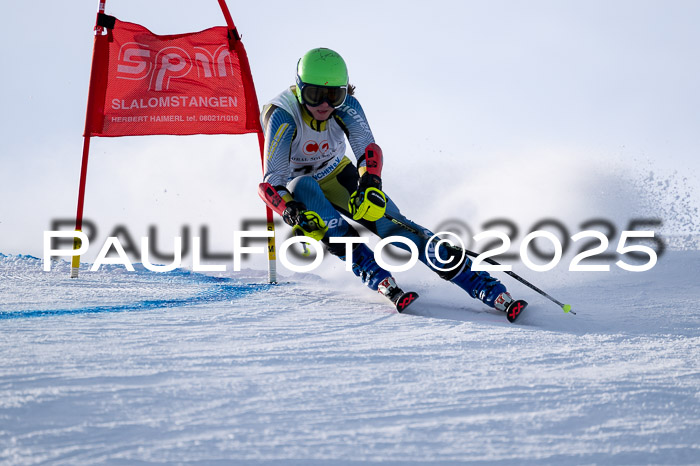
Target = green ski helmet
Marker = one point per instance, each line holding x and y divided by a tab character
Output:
322	76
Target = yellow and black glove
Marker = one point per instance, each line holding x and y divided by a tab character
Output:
304	222
368	202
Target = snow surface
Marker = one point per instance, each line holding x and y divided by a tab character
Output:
144	367
133	368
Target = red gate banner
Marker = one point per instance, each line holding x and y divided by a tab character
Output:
144	84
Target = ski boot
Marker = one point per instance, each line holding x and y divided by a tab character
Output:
365	267
489	290
481	286
378	279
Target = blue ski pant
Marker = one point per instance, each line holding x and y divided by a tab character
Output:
329	198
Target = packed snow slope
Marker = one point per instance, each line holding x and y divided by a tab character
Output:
140	368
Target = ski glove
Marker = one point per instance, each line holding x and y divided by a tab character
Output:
368	202
304	222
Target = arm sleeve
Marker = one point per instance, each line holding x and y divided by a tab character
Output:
279	130
352	119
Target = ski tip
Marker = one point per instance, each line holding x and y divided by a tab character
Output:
405	300
515	309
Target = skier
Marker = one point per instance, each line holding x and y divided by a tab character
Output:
310	182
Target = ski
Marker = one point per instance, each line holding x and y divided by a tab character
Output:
404	300
515	309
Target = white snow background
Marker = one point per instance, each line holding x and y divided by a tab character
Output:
485	110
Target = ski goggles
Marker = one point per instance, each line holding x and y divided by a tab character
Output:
314	96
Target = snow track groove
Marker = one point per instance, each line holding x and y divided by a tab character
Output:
301	374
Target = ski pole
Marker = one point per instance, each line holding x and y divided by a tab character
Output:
405	226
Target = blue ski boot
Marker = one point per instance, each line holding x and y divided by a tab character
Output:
365	267
479	285
378	279
482	286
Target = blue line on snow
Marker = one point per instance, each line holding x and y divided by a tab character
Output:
214	294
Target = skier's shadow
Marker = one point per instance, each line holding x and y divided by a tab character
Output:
449	309
540	315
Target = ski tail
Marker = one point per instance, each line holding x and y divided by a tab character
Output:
405	300
515	309
396	295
